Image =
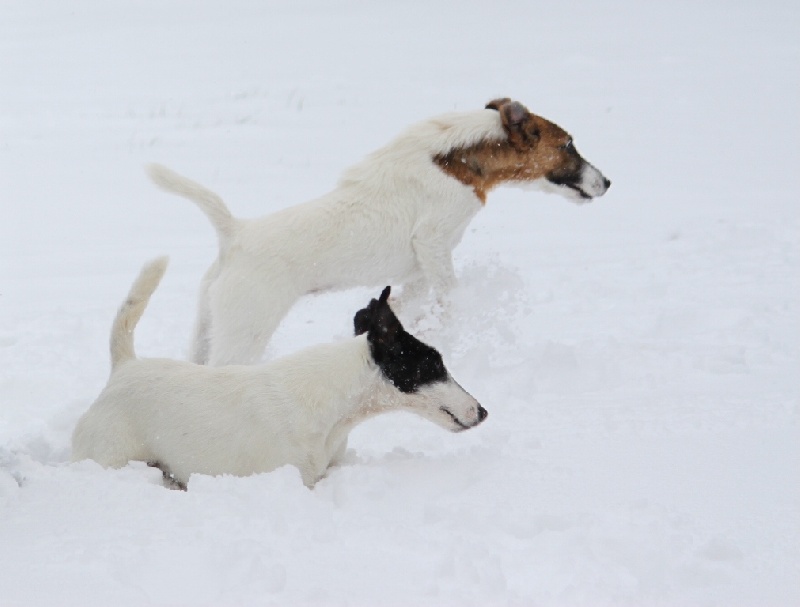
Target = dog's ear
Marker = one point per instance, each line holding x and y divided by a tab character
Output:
514	114
496	104
362	321
384	327
368	318
518	123
365	318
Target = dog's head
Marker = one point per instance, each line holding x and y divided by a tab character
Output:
535	152
415	369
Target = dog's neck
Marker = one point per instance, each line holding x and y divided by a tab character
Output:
333	382
410	155
368	393
378	396
484	166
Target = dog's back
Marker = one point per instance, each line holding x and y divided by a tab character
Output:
187	418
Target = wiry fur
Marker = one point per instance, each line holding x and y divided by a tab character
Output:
394	218
186	418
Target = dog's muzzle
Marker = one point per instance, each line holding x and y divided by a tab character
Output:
461	426
587	182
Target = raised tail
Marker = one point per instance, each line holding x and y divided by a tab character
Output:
210	203
131	311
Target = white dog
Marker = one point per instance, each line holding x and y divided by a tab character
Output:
185	418
396	217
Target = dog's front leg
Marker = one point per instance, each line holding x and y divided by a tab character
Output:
338	455
313	466
435	262
436	266
412	297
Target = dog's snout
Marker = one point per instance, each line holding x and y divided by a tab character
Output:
482	413
607	182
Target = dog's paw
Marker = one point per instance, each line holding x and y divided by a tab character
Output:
412	296
432	317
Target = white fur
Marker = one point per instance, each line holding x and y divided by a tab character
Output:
393	218
593	183
241	420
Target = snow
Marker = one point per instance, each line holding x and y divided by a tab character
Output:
638	355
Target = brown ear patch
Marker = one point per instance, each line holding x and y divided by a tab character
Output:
517	122
514	114
496	104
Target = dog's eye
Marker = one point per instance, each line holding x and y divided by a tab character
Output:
568	146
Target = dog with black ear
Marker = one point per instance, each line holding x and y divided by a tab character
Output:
186	418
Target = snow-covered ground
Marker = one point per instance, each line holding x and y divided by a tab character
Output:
639	356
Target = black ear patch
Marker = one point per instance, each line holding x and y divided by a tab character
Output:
362	320
376	314
403	359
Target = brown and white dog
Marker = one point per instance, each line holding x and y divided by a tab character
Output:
394	217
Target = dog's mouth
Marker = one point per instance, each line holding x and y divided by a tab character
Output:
570	188
583	195
461	426
583	185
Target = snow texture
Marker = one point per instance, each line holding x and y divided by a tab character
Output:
639	355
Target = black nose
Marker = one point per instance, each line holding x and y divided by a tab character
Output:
482	413
607	182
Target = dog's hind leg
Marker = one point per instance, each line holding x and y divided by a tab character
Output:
105	438
243	318
169	480
201	338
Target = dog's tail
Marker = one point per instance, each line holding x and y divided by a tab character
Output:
210	203
131	311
